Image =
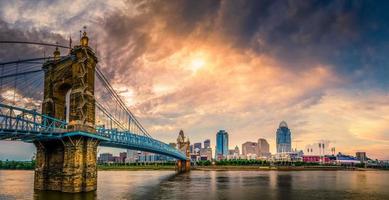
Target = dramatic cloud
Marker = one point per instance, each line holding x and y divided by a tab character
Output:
242	66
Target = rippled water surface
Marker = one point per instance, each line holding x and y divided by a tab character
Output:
213	185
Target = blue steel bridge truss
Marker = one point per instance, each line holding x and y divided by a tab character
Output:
28	125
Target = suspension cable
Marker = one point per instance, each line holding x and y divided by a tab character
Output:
28	60
20	73
109	87
33	43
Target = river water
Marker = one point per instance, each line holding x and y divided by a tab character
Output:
212	185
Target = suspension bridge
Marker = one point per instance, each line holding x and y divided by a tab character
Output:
66	107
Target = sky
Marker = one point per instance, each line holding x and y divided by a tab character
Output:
242	66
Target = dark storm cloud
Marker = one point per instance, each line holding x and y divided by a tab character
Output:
11	52
181	17
351	35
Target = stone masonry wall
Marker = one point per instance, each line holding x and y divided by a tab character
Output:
67	166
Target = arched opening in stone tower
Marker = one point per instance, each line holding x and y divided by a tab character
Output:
63	102
67	105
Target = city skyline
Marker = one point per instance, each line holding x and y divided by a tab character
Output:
206	66
283	124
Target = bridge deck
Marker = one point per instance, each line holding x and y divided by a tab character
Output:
28	126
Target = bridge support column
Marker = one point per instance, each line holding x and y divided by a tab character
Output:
67	165
183	165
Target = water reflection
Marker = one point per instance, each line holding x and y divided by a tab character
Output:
211	185
284	186
43	195
154	190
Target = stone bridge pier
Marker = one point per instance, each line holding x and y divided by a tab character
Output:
183	145
183	165
69	164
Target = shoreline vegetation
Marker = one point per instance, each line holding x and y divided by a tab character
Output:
204	166
17	165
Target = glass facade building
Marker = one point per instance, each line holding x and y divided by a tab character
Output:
221	144
283	140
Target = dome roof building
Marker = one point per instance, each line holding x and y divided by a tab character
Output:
283	124
283	138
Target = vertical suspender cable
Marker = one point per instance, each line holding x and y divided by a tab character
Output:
16	78
1	83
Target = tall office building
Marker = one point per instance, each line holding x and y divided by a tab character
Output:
361	156
249	148
197	147
283	140
221	144
105	158
263	148
132	156
122	157
206	154
207	143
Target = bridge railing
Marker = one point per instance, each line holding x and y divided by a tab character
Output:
19	120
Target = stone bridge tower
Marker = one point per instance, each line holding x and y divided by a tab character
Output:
183	145
69	164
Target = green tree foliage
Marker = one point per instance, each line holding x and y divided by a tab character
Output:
29	165
240	162
203	163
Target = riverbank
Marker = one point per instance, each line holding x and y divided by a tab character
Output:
135	167
30	165
235	168
228	168
279	168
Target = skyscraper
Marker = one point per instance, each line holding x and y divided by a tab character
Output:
249	148
361	156
263	148
132	156
197	147
283	140
221	144
207	143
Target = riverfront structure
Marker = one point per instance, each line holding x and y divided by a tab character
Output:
283	138
322	147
